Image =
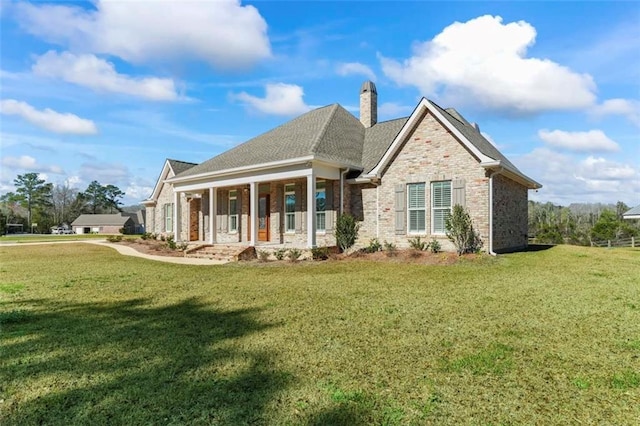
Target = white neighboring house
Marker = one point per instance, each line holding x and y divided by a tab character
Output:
634	213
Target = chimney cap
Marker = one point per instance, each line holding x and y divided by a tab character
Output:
368	86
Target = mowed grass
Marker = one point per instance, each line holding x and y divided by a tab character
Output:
91	337
38	238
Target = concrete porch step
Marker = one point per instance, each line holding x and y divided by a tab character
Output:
230	253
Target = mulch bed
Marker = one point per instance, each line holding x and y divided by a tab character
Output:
153	247
159	248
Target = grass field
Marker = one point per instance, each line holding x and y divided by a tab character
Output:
38	238
92	337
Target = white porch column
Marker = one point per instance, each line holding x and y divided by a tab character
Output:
213	210
311	210
177	213
253	213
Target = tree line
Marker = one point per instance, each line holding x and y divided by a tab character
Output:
580	224
39	205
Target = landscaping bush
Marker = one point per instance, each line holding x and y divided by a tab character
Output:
346	231
263	255
114	238
460	231
374	246
390	249
320	253
417	244
171	242
435	246
294	254
280	253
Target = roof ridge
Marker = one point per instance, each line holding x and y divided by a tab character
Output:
325	126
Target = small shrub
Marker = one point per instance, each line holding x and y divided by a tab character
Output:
320	253
182	246
373	247
460	231
417	244
121	230
147	236
390	249
346	231
280	253
435	246
263	255
171	243
114	238
294	254
163	238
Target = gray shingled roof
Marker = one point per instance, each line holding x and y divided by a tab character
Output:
180	166
377	139
331	132
115	219
474	136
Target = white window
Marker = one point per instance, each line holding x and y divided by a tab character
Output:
290	208
168	217
233	211
321	205
440	206
416	208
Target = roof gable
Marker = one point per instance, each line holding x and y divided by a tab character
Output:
169	169
487	154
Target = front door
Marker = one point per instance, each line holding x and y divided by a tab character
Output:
194	228
263	217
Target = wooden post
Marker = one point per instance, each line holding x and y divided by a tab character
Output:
633	242
608	243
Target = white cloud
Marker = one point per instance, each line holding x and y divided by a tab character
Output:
25	162
105	173
593	140
100	75
351	68
280	99
49	119
482	62
629	109
567	178
223	33
138	192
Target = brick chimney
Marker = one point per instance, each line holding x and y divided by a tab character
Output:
368	104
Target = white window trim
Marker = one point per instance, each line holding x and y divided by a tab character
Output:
410	209
233	197
324	212
293	213
433	208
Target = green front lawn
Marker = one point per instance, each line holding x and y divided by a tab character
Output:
91	337
38	238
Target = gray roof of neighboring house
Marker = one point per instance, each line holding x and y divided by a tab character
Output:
180	166
633	212
331	133
115	219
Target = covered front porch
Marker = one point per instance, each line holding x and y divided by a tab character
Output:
292	206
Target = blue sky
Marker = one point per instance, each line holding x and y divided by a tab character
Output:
107	90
